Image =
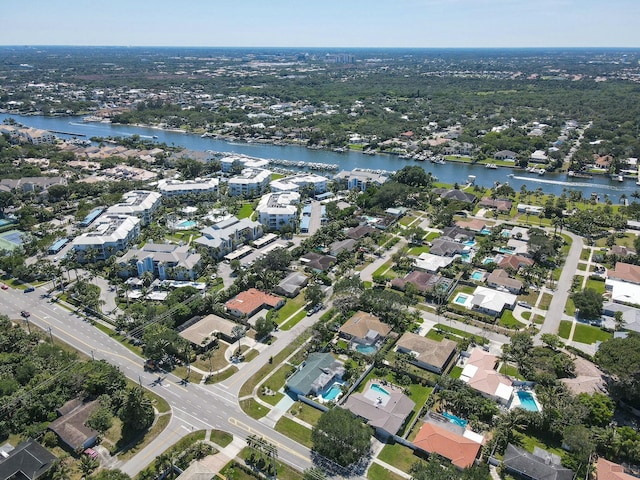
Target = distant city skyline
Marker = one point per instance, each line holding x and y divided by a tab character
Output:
331	23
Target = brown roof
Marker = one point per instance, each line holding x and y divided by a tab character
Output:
460	450
421	280
360	231
208	327
622	250
515	262
426	350
317	261
250	300
484	378
607	470
499	204
626	272
71	427
501	277
362	323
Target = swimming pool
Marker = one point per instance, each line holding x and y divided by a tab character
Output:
505	233
488	260
466	257
527	401
377	388
187	224
456	420
333	392
4	222
505	250
461	298
485	231
477	275
469	243
366	349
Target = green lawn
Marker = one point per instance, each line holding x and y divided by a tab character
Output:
378	472
275	382
294	431
585	254
398	455
294	321
418	250
597	285
406	221
431	236
526	315
221	438
219	377
291	307
509	321
305	412
582	267
510	370
245	211
565	329
545	301
455	372
383	268
570	308
590	334
253	408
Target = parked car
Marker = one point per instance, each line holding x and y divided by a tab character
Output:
524	304
25	314
4	287
29	289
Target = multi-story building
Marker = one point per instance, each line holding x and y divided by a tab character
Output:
36	136
224	237
228	162
137	203
252	182
360	179
111	234
298	182
171	188
278	210
164	261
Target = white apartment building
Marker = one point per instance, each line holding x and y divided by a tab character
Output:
227	162
137	203
169	188
360	180
297	182
36	136
252	182
164	261
111	233
225	236
277	210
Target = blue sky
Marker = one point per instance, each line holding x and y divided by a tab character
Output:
326	23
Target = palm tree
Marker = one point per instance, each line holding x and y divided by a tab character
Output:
238	332
88	465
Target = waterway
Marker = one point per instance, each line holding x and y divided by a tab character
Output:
451	172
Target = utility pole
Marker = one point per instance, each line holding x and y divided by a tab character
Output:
51	335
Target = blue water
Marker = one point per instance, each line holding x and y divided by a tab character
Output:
488	260
505	250
4	222
377	388
461	299
450	172
506	233
477	275
366	349
527	402
187	224
333	392
485	231
469	243
466	257
453	419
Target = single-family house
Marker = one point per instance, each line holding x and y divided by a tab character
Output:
204	332
360	231
28	461
385	411
630	315
480	374
606	470
428	262
318	372
505	155
623	292
337	247
500	204
625	272
317	262
519	233
70	426
291	285
515	262
492	302
459	445
423	281
539	156
518	247
473	225
426	353
446	247
249	302
364	329
454	194
500	279
457	233
539	465
622	251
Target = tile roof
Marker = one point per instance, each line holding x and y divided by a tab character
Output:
606	470
362	323
426	350
626	272
250	300
460	450
480	375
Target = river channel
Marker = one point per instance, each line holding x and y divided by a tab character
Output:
451	172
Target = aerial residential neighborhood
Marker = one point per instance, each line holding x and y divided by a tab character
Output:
169	312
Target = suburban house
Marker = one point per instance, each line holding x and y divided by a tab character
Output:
360	231
500	279
539	156
291	285
28	461
110	234
492	302
457	195
31	184
70	425
426	353
505	155
384	412
318	372
457	233
625	272
224	237
606	470
429	262
278	210
623	292
529	209
622	251
164	261
539	465
519	233
446	247
500	204
453	442
337	247
364	329
480	374
474	225
317	262
248	303
630	315
137	203
515	262
518	247
204	332
422	281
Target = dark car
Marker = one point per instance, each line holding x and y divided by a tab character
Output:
25	314
29	289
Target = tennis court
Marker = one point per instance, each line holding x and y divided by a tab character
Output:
10	240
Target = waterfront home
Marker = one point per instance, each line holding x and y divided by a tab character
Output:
457	195
304	181
539	156
505	155
480	374
316	373
425	353
499	204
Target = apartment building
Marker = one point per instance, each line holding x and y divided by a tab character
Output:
111	233
278	210
252	182
137	203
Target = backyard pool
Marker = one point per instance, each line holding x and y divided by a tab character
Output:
466	257
333	392
469	243
377	388
506	233
485	231
456	420
366	349
527	401
477	275
488	260
461	298
505	250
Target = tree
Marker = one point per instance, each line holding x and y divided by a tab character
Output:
589	303
341	437
551	341
101	419
88	465
238	332
600	408
314	295
110	475
264	327
619	319
136	411
620	358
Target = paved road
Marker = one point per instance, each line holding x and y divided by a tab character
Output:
194	406
563	289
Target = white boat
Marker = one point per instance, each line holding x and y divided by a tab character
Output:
541	171
620	178
491	165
